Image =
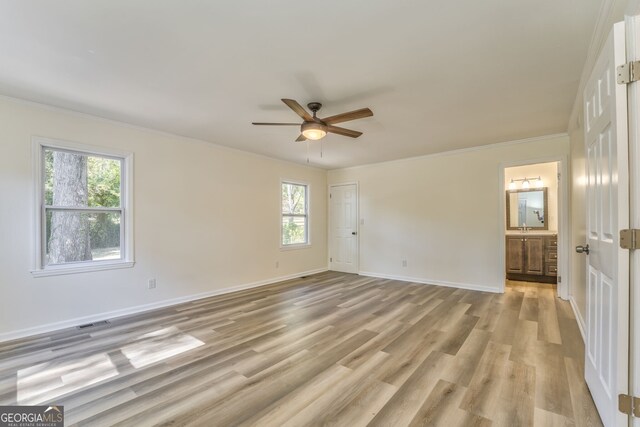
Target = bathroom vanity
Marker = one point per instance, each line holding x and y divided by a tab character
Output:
531	249
532	257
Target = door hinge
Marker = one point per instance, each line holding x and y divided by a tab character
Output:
330	259
559	279
629	405
628	73
629	238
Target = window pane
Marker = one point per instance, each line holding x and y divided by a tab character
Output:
82	236
104	182
294	230
79	180
294	199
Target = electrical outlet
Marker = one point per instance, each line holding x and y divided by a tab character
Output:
277	264
404	262
151	284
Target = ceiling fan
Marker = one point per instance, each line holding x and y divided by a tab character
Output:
315	128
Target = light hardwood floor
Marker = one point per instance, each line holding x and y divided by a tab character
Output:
329	349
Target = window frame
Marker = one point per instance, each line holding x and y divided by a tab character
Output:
307	216
39	144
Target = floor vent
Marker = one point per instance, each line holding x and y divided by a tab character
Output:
93	325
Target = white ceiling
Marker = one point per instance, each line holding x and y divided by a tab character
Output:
439	75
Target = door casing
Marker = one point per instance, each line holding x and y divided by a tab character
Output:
563	220
330	223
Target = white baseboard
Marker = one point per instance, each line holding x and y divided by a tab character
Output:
579	319
468	286
50	327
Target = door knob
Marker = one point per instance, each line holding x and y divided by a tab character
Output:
354	232
582	249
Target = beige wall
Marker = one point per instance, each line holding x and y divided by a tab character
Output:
206	218
549	174
441	213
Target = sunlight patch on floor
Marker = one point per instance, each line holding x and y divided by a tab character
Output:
159	345
46	381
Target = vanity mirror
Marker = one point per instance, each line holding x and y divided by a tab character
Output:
527	208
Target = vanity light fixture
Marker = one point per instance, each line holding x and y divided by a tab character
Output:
526	183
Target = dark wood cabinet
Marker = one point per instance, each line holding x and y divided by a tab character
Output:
532	258
534	255
515	255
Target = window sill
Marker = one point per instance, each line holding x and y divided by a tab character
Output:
73	269
294	247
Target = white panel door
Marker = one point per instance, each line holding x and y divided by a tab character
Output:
343	249
633	54
606	140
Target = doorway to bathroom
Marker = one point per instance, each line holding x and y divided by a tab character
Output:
534	226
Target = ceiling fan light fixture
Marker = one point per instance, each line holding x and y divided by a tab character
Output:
313	131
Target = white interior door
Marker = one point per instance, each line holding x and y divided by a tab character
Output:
606	140
633	54
343	235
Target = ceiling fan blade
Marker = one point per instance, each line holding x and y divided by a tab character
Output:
299	109
275	124
351	115
301	138
343	131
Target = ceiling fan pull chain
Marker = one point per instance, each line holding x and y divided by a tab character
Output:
307	151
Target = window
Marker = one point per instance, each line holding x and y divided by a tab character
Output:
295	214
83	200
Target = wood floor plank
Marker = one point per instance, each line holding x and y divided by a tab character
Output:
552	384
441	409
504	331
286	408
525	339
549	419
490	317
327	349
325	408
464	365
529	309
483	394
584	409
364	406
517	396
457	335
405	403
549	328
